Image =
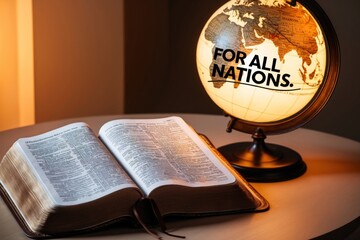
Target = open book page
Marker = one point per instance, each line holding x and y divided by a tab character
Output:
164	151
73	165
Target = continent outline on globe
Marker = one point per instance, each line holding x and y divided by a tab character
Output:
260	46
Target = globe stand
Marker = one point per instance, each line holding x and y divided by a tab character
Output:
260	162
246	96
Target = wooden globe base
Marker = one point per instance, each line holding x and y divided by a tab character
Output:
260	162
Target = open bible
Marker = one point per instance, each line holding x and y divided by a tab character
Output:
71	179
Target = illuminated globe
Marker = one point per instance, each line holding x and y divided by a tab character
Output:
262	61
271	65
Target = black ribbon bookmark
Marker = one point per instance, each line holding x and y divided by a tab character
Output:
147	214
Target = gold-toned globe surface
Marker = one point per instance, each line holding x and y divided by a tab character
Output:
261	60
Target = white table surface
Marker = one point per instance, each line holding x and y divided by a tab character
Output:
325	198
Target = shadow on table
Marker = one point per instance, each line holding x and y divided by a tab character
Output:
332	166
174	225
350	231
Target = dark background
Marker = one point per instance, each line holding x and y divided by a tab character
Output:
165	78
102	57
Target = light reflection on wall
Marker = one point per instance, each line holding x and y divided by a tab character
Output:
16	64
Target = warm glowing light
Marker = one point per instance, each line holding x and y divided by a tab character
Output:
25	63
271	65
261	62
16	64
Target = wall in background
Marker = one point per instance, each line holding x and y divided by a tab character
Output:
161	73
161	38
78	57
16	64
342	113
60	59
80	66
9	104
